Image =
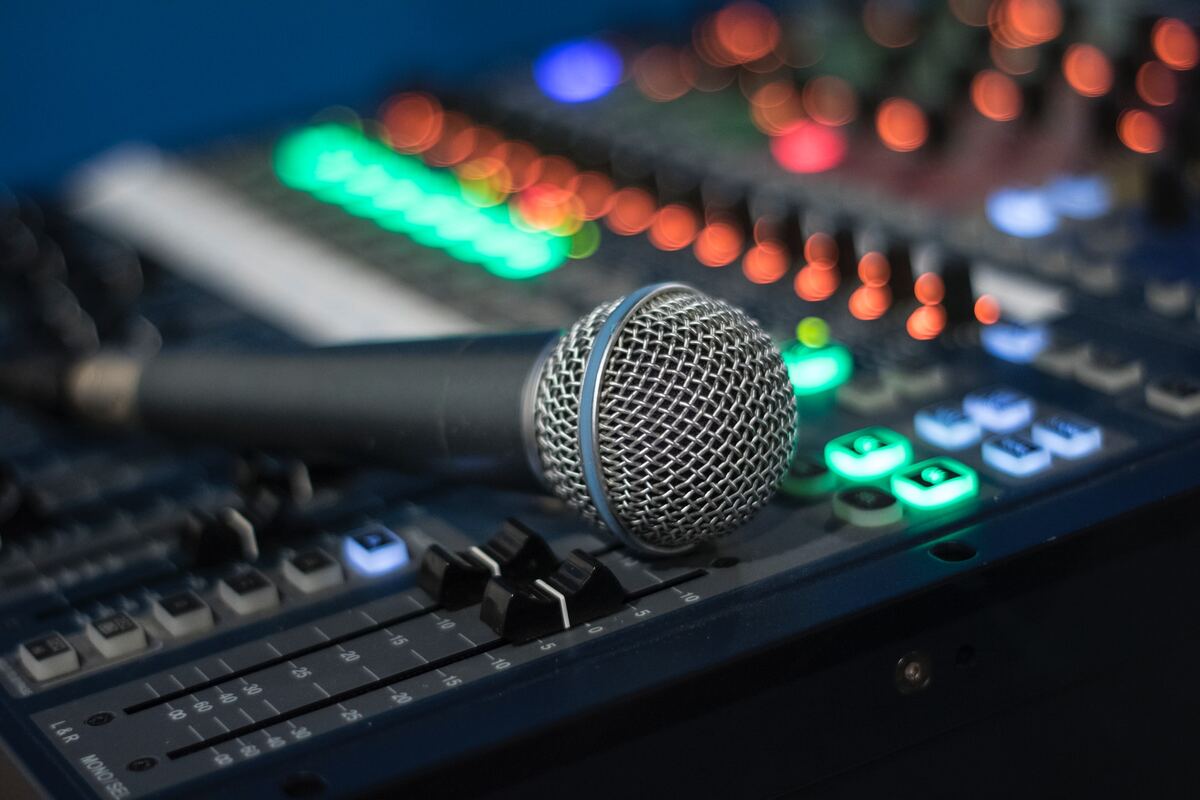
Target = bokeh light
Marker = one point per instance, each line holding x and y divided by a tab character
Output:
764	263
987	310
830	100
926	322
719	243
1025	23
674	227
1175	43
659	73
816	282
1087	70
412	121
1140	131
631	212
901	125
809	147
1156	84
929	288
1022	212
578	71
996	96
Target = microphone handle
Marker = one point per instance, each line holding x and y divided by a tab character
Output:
456	408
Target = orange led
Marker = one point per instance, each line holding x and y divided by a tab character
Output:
816	282
595	193
1025	23
987	310
1156	84
1087	70
996	96
926	322
1013	60
659	73
556	171
546	207
929	288
718	244
869	302
1140	131
901	125
485	181
413	122
1175	43
874	269
674	227
523	162
632	211
745	31
766	262
821	248
456	142
830	101
775	107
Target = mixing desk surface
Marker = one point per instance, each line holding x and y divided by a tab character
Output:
970	229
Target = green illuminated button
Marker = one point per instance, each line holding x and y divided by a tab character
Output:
867	507
807	477
868	454
813	370
935	483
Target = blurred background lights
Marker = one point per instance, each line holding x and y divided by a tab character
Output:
1079	196
1024	213
578	71
809	147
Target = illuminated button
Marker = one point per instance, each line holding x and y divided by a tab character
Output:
116	635
1177	395
866	393
1060	356
1069	437
47	657
946	426
312	571
935	483
867	454
999	409
807	477
1109	371
867	507
1018	344
375	550
813	370
183	614
248	592
1015	455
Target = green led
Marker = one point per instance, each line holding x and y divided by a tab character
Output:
867	454
935	483
340	165
815	370
584	241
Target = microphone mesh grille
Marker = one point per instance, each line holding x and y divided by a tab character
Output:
695	423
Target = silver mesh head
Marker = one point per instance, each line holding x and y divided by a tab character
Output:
694	419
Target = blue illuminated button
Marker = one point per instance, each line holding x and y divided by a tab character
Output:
1019	344
867	454
1068	436
935	483
375	550
1015	455
999	409
946	426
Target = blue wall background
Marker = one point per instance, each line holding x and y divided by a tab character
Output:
77	78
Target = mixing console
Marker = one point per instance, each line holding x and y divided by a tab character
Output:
969	226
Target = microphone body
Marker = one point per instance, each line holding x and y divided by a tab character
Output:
456	407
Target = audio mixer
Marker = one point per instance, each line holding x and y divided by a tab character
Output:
969	229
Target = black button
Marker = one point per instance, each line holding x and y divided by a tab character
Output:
247	582
867	498
311	561
182	603
48	646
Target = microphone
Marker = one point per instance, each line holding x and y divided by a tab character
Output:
666	417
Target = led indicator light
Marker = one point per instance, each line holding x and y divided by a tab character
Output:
946	426
1015	455
867	454
1068	436
935	483
374	550
813	370
578	71
999	409
1018	344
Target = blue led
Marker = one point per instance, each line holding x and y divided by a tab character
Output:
1068	436
1020	344
1079	196
578	71
946	427
1025	213
999	409
1015	455
374	550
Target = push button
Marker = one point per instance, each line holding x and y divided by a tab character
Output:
1060	357
1068	436
866	393
1015	455
48	657
248	592
1178	396
867	507
116	635
807	477
183	614
946	426
375	550
1018	344
935	483
313	571
867	454
999	409
1109	371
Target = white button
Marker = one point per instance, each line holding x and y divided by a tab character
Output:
1015	455
183	614
1177	396
1169	298
1109	372
313	571
946	426
1069	437
999	409
248	592
50	656
116	635
1061	357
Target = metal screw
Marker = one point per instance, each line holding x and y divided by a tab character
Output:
142	764
99	718
914	672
